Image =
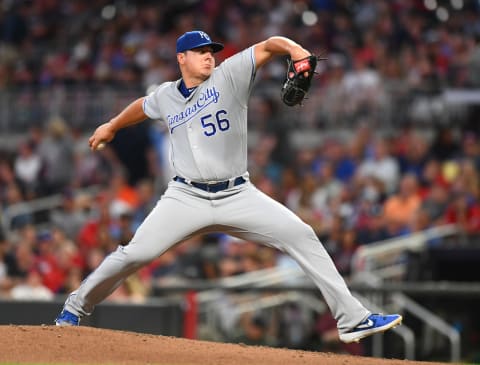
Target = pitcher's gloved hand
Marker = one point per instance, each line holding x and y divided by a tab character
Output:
299	79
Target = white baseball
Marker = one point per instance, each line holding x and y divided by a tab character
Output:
101	146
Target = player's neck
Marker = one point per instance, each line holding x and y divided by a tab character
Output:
191	81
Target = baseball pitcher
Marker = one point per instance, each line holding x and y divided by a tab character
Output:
206	114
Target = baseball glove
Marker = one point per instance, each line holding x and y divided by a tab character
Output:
299	79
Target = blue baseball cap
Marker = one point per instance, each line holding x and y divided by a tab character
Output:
196	39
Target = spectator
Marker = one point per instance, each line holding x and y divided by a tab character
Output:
474	65
91	169
132	290
332	237
344	162
27	168
331	100
21	216
328	187
362	88
31	289
348	246
46	263
132	148
20	261
69	217
471	148
435	203
95	233
445	146
464	211
300	200
375	229
7	179
68	260
413	160
56	152
468	179
288	183
125	197
381	166
146	201
401	207
432	175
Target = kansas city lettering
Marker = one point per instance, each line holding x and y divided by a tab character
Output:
210	95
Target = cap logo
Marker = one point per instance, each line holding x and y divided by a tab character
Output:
204	35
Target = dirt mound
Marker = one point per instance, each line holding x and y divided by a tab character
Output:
87	345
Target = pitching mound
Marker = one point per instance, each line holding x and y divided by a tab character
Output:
87	345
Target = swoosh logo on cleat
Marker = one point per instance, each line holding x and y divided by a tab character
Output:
369	323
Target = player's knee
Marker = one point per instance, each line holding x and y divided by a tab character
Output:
137	257
300	232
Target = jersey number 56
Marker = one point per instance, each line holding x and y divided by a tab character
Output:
208	123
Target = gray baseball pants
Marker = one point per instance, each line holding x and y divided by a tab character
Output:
242	211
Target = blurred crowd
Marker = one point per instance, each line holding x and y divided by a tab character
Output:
48	42
387	60
354	189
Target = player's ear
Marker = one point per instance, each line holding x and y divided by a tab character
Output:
181	58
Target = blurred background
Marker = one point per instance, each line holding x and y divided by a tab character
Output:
383	160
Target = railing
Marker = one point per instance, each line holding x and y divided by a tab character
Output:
385	258
427	317
264	279
274	276
372	264
32	207
213	304
433	321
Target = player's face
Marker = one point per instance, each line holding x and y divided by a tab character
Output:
199	62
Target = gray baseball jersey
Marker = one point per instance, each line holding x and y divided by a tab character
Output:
208	130
208	134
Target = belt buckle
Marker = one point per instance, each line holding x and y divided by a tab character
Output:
212	187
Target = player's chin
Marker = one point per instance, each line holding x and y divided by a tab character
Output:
206	72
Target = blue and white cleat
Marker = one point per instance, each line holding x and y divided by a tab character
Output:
66	318
375	323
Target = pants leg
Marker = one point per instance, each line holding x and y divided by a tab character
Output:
254	216
177	216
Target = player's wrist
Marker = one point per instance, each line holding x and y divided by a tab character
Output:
298	53
111	125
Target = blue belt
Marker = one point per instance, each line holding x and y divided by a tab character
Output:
211	187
